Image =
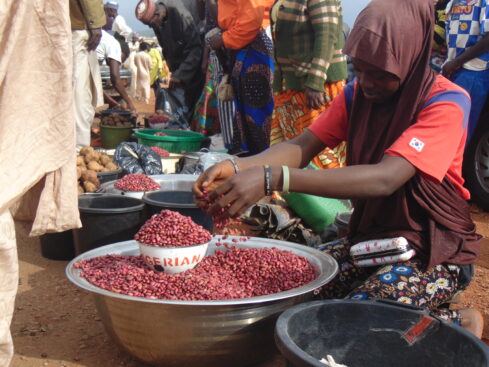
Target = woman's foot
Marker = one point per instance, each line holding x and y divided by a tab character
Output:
472	321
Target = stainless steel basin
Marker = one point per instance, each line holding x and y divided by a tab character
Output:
227	333
171	182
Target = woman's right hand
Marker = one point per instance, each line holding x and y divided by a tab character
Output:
212	178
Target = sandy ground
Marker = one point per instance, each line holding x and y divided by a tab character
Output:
56	324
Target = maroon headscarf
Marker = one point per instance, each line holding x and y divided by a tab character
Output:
432	216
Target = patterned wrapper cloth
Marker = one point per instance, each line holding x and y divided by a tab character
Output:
291	117
206	117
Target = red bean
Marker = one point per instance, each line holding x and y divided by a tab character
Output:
171	229
136	182
161	152
235	273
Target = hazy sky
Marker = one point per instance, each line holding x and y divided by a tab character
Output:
126	8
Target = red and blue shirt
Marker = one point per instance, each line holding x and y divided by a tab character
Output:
434	144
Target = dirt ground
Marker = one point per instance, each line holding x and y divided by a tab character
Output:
56	324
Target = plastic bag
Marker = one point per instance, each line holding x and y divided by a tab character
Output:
137	158
205	159
172	101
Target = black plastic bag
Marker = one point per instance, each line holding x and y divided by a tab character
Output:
172	101
138	158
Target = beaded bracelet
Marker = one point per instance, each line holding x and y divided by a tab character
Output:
268	179
235	165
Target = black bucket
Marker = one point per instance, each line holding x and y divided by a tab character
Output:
107	219
110	175
58	246
374	333
178	201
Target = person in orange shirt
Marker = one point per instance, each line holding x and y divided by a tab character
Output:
250	53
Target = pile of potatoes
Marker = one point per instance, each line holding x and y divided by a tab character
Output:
116	120
88	163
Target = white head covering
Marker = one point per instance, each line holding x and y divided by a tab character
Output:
112	4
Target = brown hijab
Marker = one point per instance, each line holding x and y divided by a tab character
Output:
432	216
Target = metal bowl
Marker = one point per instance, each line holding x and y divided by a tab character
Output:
173	182
237	332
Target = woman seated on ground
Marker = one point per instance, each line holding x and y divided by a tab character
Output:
405	128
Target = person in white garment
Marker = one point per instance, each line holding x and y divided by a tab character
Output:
120	26
39	137
109	53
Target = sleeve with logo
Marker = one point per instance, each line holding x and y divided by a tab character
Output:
437	138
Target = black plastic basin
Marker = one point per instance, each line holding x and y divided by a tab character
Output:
179	201
107	219
374	333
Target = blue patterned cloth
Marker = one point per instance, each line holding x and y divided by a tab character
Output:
468	21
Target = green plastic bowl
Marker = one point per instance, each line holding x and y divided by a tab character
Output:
112	136
178	141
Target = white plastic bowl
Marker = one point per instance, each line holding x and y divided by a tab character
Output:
173	260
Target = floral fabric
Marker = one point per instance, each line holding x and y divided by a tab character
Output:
407	282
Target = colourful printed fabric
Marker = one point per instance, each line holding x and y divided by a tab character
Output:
251	79
407	282
291	117
447	109
468	21
206	119
439	49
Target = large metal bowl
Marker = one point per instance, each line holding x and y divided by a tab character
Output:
225	333
172	182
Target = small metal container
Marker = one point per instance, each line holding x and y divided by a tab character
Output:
225	333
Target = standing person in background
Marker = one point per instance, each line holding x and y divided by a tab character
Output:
310	69
182	49
39	137
133	48
143	64
109	51
155	72
119	25
439	49
241	33
87	19
468	52
210	62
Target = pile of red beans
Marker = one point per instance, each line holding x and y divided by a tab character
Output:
136	182
160	151
231	274
172	229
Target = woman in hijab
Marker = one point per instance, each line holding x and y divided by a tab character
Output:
405	128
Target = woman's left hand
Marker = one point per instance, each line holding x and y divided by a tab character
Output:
241	191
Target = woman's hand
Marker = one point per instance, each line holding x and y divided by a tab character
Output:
314	98
216	42
240	192
212	178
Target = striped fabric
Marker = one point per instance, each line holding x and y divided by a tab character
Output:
226	110
308	41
